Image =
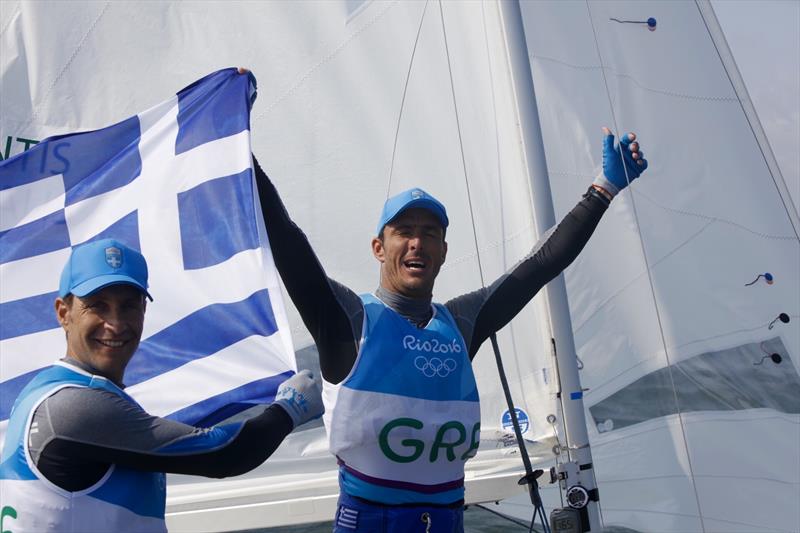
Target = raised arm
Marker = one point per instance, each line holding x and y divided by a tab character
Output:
331	312
481	313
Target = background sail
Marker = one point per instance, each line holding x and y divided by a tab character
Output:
690	430
332	102
176	183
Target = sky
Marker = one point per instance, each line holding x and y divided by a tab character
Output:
764	36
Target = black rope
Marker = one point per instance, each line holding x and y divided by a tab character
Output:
530	475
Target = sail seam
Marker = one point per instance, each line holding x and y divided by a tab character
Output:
686	96
12	18
733	332
686	212
636	278
707	476
759	527
66	66
326	59
489	246
630	431
650	280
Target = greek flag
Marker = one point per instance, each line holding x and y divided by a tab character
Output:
176	183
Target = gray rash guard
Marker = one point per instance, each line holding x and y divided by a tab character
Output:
334	314
78	433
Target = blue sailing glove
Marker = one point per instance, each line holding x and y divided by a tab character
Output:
300	397
615	177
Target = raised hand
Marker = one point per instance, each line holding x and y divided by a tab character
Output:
622	163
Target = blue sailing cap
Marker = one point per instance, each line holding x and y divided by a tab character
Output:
408	199
98	264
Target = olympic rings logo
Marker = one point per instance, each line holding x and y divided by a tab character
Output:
435	366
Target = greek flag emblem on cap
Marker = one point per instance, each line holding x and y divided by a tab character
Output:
114	257
416	193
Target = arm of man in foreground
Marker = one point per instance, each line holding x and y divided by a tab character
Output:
79	431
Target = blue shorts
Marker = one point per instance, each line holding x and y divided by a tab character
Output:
357	515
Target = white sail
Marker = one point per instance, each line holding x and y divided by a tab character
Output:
688	433
355	102
339	83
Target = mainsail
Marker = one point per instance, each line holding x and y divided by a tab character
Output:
693	424
356	102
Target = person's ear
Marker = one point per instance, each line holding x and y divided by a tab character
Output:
62	312
378	250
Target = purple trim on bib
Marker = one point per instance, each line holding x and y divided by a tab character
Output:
406	485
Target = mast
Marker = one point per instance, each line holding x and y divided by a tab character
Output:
580	472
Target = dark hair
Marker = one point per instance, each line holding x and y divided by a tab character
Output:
380	235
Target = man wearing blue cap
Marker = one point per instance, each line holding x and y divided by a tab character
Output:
80	454
401	403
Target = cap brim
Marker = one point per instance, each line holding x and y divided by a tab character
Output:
100	282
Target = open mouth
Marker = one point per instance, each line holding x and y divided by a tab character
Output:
415	265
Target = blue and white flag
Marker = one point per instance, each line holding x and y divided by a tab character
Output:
176	183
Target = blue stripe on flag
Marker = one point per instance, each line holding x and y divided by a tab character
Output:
201	334
218	408
41	236
77	157
28	315
41	161
92	170
10	389
125	230
213	111
217	220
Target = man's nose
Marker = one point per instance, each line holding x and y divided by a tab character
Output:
415	241
114	321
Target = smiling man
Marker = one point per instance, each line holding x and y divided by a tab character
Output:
80	454
401	403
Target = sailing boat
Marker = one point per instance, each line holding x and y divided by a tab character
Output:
356	101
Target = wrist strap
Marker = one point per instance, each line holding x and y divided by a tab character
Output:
598	192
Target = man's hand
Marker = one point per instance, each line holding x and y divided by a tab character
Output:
622	163
300	397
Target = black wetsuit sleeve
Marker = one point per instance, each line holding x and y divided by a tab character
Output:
79	432
483	312
332	313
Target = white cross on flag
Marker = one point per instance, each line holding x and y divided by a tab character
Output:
176	183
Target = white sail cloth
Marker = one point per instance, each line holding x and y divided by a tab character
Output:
355	102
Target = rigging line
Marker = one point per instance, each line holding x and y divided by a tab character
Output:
514	350
461	145
403	100
786	206
649	273
529	477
